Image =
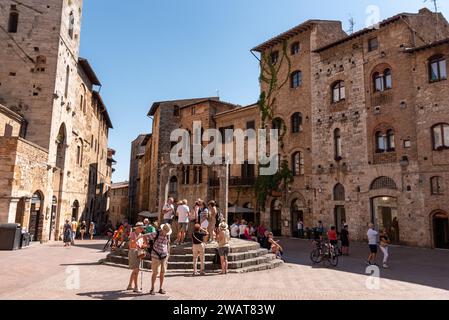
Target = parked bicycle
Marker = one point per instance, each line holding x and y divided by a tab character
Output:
324	252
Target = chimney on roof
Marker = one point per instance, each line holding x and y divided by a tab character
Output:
425	11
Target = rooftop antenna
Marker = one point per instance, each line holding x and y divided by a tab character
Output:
435	7
218	93
435	4
351	25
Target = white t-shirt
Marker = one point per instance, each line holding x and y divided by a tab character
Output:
183	214
242	229
235	231
171	210
372	237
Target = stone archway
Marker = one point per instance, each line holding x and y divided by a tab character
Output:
75	210
297	209
440	229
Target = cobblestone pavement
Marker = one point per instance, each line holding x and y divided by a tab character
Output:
47	272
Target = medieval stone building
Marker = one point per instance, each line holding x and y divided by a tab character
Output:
365	128
54	157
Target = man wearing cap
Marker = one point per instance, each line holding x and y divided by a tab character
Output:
135	244
159	255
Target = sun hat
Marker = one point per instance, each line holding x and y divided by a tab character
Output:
224	226
139	225
166	227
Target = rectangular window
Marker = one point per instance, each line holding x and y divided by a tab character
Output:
295	48
274	57
8	130
407	144
373	44
13	22
78	155
251	125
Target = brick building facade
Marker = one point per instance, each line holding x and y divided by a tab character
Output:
366	132
54	125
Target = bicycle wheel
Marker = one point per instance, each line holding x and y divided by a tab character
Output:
107	246
316	256
333	259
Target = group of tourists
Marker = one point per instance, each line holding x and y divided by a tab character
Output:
378	240
340	241
197	226
72	228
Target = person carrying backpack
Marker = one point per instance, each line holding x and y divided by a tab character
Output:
159	249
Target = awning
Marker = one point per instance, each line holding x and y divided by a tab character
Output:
149	215
237	209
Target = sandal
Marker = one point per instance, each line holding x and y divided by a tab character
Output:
152	293
162	291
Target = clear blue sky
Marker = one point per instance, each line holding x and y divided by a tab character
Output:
151	50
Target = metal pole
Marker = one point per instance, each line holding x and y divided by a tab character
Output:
225	209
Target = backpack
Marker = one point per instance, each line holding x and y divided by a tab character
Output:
151	248
220	218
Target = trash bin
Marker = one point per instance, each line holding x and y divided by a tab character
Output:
10	236
25	240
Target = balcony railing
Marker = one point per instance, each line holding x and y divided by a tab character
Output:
234	181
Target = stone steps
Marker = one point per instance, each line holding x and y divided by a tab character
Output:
244	256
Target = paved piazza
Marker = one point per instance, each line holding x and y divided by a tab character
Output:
49	272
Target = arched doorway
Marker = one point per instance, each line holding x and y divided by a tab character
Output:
276	217
297	213
54	208
36	216
385	215
75	210
440	223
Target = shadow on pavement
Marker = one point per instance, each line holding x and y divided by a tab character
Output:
425	267
120	294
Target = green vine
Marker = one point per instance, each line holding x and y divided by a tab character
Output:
278	182
269	79
269	75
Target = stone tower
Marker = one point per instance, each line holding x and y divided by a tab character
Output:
39	54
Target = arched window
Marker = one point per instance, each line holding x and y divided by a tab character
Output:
437	68
388	79
383	183
13	22
296	79
339	192
436	186
383	81
338	91
390	141
385	141
185	175
297	164
173	185
380	142
337	145
71	24
440	136
67	80
198	172
296	122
